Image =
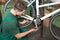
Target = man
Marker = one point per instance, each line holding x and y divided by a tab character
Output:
10	29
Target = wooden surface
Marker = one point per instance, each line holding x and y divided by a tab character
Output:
46	21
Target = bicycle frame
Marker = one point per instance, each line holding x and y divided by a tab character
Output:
40	6
37	10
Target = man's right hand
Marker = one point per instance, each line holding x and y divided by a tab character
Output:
33	30
20	35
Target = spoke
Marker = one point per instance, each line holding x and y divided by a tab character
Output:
28	17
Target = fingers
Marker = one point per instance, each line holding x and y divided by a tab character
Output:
34	30
36	27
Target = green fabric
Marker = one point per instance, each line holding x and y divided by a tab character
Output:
9	23
9	26
56	21
0	28
23	30
0	17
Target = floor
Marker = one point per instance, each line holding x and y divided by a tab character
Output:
37	35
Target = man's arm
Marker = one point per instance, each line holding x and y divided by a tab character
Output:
24	21
20	35
13	30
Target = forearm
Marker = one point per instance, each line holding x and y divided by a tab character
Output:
21	22
20	35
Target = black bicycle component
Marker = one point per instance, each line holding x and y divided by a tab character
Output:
38	20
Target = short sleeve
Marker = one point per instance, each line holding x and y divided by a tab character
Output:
10	27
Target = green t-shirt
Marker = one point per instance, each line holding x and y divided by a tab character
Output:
10	26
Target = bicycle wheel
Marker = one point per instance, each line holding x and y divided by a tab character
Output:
28	11
55	26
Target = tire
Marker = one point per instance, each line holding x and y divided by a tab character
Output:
54	26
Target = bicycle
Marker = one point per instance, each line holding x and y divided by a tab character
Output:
38	19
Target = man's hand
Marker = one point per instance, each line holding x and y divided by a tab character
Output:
33	30
24	21
20	35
